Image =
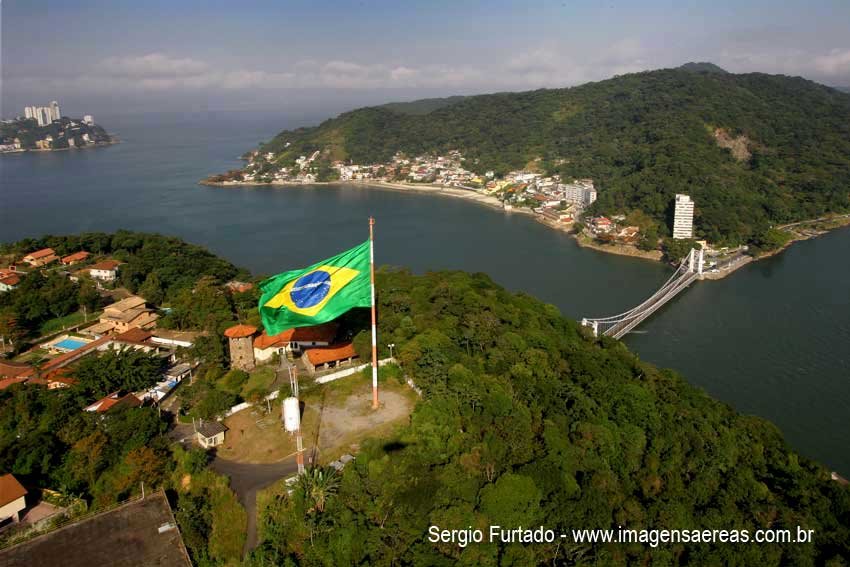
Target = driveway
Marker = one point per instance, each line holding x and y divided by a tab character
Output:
246	480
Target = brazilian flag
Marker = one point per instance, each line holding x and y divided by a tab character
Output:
320	293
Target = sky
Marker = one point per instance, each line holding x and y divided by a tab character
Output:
327	56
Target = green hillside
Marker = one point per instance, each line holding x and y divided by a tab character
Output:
526	420
702	67
753	150
423	106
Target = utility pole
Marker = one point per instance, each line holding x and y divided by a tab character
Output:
299	439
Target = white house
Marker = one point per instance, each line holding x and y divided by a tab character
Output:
293	340
8	282
210	433
12	499
106	270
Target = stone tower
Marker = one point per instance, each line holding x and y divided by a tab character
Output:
241	339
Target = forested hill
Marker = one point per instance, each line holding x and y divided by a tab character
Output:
752	149
527	420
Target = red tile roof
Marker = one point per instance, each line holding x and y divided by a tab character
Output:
10	489
106	403
333	353
75	257
11	279
264	341
6	382
317	334
240	331
61	376
44	252
108	265
134	335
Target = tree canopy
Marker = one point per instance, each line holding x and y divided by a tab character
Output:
526	419
753	150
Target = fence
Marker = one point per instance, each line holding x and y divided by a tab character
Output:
320	380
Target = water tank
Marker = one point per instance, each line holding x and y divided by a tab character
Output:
291	414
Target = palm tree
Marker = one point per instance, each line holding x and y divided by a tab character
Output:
317	485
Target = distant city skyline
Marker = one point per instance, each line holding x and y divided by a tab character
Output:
110	57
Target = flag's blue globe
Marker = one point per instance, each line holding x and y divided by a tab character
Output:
310	289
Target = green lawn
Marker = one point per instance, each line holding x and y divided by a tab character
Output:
33	354
261	378
55	325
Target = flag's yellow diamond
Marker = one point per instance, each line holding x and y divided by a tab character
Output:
308	294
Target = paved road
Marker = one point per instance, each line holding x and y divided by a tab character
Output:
246	480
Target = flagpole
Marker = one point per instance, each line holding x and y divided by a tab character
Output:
375	403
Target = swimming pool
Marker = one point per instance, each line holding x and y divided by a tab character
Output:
69	344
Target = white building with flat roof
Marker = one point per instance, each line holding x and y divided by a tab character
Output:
579	193
683	218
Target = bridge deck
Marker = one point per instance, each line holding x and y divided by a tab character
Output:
620	329
618	325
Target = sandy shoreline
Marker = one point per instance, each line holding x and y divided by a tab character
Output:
583	240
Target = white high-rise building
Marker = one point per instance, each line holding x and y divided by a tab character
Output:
580	192
683	219
45	115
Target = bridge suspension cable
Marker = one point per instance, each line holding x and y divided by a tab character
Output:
617	326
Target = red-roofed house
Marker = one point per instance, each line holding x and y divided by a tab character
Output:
12	498
328	357
72	259
135	338
602	224
60	378
294	340
106	271
41	257
9	282
113	400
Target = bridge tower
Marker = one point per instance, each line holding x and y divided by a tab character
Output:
690	268
592	324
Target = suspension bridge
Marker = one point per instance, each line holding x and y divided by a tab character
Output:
618	325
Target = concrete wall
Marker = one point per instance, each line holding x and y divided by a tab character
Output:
349	371
13	508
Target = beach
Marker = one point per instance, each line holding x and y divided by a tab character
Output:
801	230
